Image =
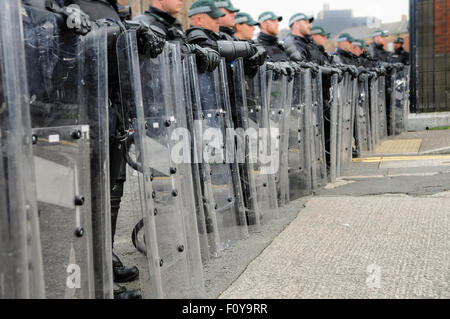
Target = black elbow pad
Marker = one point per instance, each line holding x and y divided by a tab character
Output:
231	50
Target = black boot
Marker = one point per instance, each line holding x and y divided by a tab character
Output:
123	293
123	274
118	289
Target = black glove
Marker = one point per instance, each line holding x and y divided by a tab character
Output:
207	58
373	75
296	67
260	56
309	65
399	66
288	70
352	70
151	39
338	72
76	20
362	71
380	71
251	70
275	68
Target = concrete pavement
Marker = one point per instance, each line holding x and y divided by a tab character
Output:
383	231
356	247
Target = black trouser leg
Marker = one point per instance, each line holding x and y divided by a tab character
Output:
117	180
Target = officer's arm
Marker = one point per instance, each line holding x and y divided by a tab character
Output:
230	50
198	37
293	53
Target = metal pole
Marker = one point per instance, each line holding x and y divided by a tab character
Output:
413	54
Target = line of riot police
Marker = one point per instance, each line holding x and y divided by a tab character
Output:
211	131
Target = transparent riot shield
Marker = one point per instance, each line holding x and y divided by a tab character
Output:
345	131
162	155
400	98
362	125
382	117
246	136
67	81
318	156
391	81
279	132
21	269
330	90
95	66
354	103
200	173
230	151
148	258
341	101
265	160
406	106
183	158
285	140
226	223
299	160
374	114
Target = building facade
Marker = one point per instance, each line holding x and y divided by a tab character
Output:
430	48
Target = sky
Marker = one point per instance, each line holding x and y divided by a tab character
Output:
386	10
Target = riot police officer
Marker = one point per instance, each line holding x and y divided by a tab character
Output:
299	42
343	54
162	14
358	47
400	55
244	26
268	37
226	23
376	49
205	32
150	42
320	38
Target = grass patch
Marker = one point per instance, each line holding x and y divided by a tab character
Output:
440	128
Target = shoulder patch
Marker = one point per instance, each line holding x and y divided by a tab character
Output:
196	34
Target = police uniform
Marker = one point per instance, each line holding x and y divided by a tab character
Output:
377	51
229	49
300	48
171	27
203	37
400	55
344	57
111	9
226	33
318	52
364	59
276	51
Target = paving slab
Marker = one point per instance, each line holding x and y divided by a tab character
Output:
403	146
432	141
